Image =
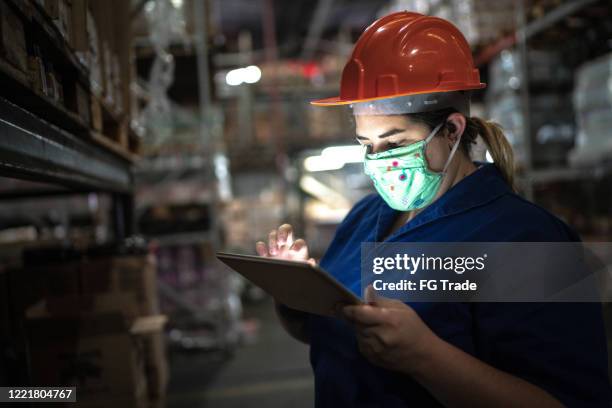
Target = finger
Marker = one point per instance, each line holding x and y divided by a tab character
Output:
377	335
362	333
261	249
373	298
369	348
285	235
364	314
299	249
298	244
272	243
312	261
338	308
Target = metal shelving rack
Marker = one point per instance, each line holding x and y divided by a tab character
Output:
33	149
42	141
526	31
50	144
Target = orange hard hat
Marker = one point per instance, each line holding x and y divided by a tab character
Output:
406	53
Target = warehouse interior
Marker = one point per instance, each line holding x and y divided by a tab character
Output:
137	138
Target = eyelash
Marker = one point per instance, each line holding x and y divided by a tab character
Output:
389	145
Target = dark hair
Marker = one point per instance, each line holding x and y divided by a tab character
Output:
491	132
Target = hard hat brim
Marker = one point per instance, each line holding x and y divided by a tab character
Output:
338	101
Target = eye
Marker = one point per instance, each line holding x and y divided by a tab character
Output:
392	145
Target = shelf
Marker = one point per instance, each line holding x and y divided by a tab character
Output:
31	148
557	14
15	86
564	174
531	29
184	238
113	146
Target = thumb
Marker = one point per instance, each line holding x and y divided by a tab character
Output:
372	297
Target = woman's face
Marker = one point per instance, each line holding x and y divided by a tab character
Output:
391	131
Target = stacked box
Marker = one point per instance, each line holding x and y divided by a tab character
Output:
54	279
79	40
123	274
92	348
150	330
12	39
5	313
108	340
551	132
592	100
326	123
82	104
60	12
86	44
480	21
107	81
552	126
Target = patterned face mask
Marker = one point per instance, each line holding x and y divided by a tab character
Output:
401	175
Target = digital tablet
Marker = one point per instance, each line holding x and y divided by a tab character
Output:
297	284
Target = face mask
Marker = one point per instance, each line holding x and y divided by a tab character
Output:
401	175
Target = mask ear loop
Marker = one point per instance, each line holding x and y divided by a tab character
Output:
433	133
452	153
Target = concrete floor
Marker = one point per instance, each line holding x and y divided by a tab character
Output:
272	372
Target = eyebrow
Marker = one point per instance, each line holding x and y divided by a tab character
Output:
386	134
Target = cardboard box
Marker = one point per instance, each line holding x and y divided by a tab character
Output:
135	274
110	361
95	352
138	274
53	279
82	104
124	304
12	38
59	278
134	402
150	330
5	312
60	12
32	283
93	56
79	40
96	113
157	403
107	73
52	8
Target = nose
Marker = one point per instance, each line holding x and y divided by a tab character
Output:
376	147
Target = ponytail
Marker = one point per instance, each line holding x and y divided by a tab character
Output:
498	145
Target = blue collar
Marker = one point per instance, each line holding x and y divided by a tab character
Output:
479	188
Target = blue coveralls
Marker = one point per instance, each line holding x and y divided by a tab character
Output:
559	347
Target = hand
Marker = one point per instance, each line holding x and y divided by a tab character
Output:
390	333
282	245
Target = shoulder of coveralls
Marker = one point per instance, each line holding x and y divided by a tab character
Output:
365	204
531	222
365	207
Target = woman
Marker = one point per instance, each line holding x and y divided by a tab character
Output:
408	82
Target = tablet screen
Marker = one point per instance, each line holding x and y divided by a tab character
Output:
296	284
